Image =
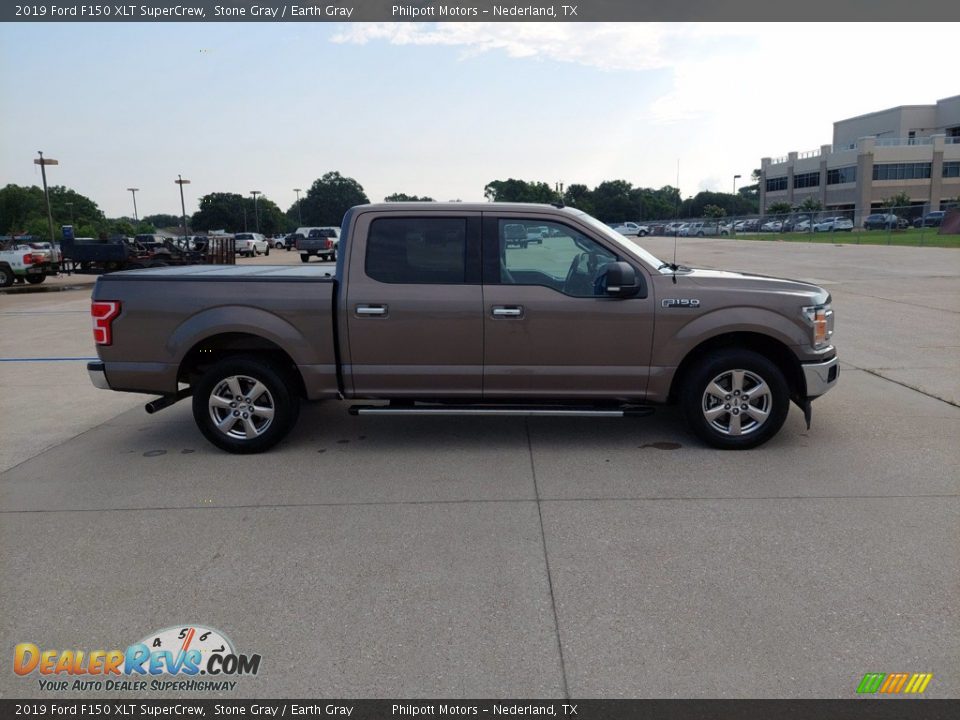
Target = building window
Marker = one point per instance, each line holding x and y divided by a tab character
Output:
901	171
776	184
805	180
838	176
951	169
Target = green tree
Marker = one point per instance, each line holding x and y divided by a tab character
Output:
714	211
220	210
811	204
900	200
512	190
328	199
579	196
615	201
23	208
403	197
779	208
162	220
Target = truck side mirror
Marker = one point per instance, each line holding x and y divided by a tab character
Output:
620	280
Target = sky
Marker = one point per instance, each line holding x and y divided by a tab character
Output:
438	109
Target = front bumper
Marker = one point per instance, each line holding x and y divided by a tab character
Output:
821	376
97	375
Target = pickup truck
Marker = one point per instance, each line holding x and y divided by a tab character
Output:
321	241
432	311
22	261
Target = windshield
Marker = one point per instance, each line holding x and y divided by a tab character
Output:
633	249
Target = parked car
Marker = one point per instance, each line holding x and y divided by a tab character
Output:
704	228
279	242
751	225
772	226
632	229
884	221
321	241
515	235
251	244
803	226
24	263
417	321
833	224
931	219
536	234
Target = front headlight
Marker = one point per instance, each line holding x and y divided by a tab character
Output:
820	319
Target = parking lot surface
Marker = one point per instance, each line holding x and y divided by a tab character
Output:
478	557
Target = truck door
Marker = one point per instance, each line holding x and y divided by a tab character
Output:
550	329
414	306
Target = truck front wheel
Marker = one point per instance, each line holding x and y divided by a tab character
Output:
244	405
6	277
735	399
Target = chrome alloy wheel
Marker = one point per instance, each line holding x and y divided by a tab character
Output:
737	402
241	407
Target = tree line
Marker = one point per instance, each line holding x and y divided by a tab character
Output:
23	209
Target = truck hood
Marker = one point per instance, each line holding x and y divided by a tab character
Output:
727	280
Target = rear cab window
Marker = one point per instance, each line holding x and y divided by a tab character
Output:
417	250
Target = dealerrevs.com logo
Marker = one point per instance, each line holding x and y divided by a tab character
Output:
170	659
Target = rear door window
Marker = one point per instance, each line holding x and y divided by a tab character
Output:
417	250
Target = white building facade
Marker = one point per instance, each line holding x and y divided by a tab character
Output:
912	149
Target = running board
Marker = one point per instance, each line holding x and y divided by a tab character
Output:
501	411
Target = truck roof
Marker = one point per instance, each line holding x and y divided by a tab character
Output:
460	206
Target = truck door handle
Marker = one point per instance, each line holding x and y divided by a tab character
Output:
371	310
507	311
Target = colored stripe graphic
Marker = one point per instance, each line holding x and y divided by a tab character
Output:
871	683
893	683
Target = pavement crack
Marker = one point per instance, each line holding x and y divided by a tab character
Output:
903	384
546	560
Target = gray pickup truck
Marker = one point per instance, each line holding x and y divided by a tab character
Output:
433	310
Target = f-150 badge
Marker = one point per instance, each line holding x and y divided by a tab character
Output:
680	303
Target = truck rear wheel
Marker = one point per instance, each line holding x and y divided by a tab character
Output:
36	279
735	399
244	405
304	258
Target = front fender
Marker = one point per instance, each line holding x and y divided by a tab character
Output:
675	337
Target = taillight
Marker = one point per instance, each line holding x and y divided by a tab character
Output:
28	259
103	312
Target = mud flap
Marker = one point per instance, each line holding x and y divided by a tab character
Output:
807	407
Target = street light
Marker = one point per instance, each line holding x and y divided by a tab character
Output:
133	191
256	214
735	178
183	208
299	214
43	162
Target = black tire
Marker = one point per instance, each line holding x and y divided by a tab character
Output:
694	400
36	279
278	395
267	253
6	277
304	258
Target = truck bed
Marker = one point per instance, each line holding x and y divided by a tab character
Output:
172	313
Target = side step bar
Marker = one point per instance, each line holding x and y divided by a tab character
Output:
504	410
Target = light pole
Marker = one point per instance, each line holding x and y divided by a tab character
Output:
256	214
43	162
299	214
183	208
133	191
735	178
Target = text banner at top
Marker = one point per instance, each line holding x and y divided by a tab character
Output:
854	11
